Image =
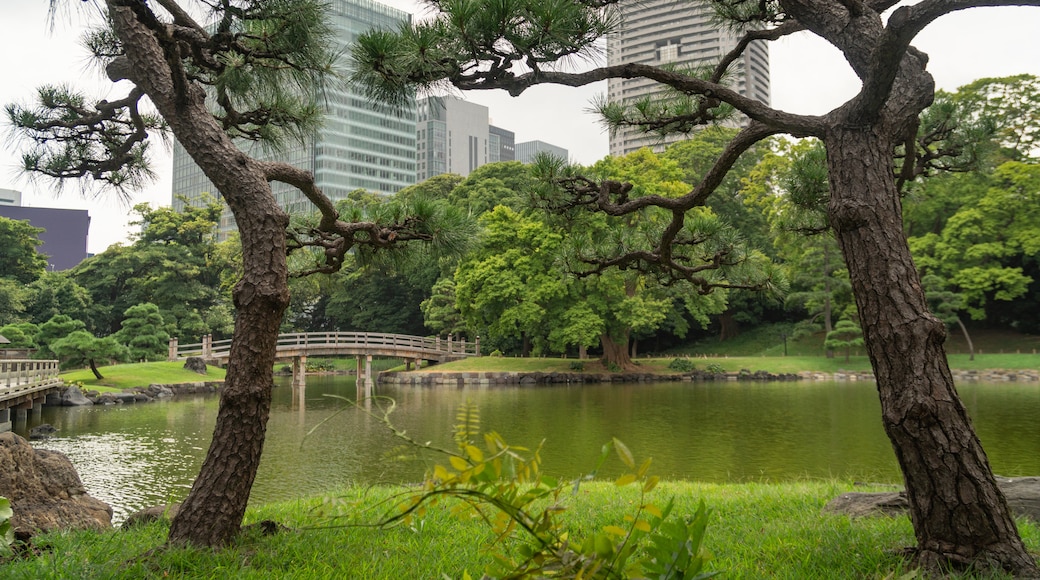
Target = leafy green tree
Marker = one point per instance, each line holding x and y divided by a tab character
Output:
256	73
58	293
19	259
989	250
440	313
143	333
172	264
506	183
507	285
21	335
15	336
437	187
55	329
516	45
12	301
81	348
846	334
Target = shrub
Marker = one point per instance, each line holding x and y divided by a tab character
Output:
683	365
578	365
715	369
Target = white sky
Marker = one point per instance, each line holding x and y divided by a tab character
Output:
807	76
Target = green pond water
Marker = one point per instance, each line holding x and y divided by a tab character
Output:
135	456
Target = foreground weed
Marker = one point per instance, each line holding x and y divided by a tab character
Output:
502	486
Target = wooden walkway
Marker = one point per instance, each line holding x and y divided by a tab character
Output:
24	385
298	346
341	343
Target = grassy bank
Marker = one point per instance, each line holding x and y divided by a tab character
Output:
773	364
128	376
756	531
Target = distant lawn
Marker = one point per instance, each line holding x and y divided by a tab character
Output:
128	376
773	364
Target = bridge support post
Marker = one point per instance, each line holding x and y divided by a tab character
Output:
5	420
369	380
299	372
21	412
37	408
172	354
418	363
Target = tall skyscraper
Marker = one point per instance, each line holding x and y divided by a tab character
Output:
679	34
501	144
361	145
452	136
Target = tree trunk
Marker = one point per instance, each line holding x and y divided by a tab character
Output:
583	352
958	513
212	513
616	352
827	326
728	326
94	369
971	347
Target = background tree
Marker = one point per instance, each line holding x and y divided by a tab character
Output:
12	301
80	348
55	329
255	74
18	336
57	293
511	46
143	333
846	334
19	259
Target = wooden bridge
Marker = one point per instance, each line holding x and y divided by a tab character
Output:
24	385
363	345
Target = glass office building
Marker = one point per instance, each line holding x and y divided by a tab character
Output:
667	33
362	144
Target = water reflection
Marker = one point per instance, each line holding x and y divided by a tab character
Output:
141	455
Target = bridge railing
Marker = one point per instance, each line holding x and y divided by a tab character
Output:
436	346
19	376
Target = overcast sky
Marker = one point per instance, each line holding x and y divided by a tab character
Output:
807	76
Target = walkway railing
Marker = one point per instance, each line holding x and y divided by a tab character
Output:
341	343
21	377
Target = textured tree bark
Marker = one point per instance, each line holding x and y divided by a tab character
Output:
960	517
615	352
212	513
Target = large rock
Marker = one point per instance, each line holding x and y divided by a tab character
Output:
45	491
151	514
195	364
1022	493
72	396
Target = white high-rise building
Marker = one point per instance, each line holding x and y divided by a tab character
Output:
677	33
452	136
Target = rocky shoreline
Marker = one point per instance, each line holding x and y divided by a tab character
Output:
74	396
430	378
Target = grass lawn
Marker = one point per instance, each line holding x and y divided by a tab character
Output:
127	376
773	364
757	531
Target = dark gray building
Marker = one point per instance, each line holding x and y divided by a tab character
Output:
65	232
501	144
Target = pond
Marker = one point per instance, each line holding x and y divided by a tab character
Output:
139	455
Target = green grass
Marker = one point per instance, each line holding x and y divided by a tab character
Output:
773	364
756	531
766	340
128	376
